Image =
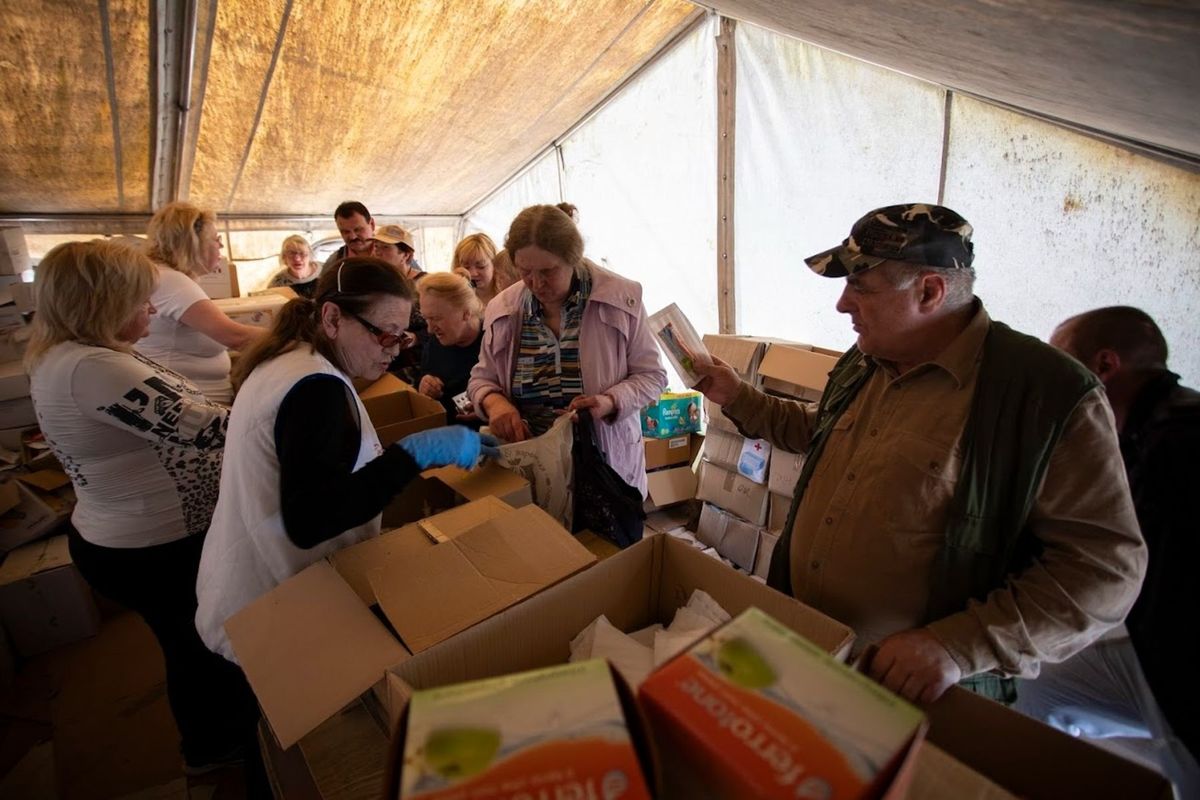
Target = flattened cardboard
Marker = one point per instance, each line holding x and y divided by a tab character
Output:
796	371
44	601
766	548
448	588
48	480
1030	759
779	506
733	492
667	487
729	535
354	563
308	648
35	515
14	382
17	413
639	586
785	472
10	497
670	452
723	447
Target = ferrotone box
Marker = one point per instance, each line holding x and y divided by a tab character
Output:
556	732
44	601
755	710
673	414
639	586
733	492
396	409
312	644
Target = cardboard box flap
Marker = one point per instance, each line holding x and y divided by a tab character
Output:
937	775
488	568
354	563
27	561
1034	760
669	486
309	647
46	479
740	352
797	365
489	478
10	497
387	384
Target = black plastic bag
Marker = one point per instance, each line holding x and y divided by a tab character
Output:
604	504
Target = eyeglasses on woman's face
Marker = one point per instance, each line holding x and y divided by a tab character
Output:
384	338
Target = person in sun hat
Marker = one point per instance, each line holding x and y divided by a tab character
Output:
963	505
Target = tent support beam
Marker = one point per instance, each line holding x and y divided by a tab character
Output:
174	26
110	82
726	128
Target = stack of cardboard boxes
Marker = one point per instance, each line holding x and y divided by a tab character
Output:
671	438
746	484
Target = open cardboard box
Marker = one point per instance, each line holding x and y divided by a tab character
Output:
445	487
666	487
313	644
672	451
733	492
44	601
639	586
1023	756
796	370
397	410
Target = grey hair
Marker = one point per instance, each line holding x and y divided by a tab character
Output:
960	281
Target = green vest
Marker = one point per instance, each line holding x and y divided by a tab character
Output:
1024	395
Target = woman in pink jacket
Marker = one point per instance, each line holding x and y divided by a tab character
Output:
569	336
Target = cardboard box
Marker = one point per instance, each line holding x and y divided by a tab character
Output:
732	492
221	283
666	487
14	382
778	507
729	535
17	413
257	311
396	410
750	458
766	549
755	710
36	514
743	353
13	342
795	371
641	585
286	292
14	254
673	414
716	420
44	601
312	644
437	490
1030	759
670	452
937	774
556	732
785	471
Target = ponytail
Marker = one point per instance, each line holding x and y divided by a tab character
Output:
295	324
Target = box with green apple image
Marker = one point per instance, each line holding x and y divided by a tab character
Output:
755	710
554	732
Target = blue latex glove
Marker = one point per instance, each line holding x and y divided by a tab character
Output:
489	445
440	447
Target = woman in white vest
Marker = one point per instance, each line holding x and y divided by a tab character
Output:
143	449
304	472
190	333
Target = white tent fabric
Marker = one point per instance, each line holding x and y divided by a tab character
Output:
537	184
1064	224
821	138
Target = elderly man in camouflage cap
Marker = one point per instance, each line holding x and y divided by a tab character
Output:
963	503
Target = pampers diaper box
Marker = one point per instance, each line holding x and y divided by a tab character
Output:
558	732
755	710
673	414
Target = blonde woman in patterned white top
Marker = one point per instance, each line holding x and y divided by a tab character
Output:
143	449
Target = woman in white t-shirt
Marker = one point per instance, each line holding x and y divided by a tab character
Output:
143	448
190	334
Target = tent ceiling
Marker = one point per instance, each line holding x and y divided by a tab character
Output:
415	108
1126	68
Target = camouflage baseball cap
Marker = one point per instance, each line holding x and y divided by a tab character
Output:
922	234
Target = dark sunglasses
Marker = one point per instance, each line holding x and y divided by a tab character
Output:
384	338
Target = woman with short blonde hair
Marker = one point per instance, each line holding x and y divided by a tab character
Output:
475	259
299	272
190	334
143	448
455	318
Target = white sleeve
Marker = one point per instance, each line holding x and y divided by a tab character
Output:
176	293
127	392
